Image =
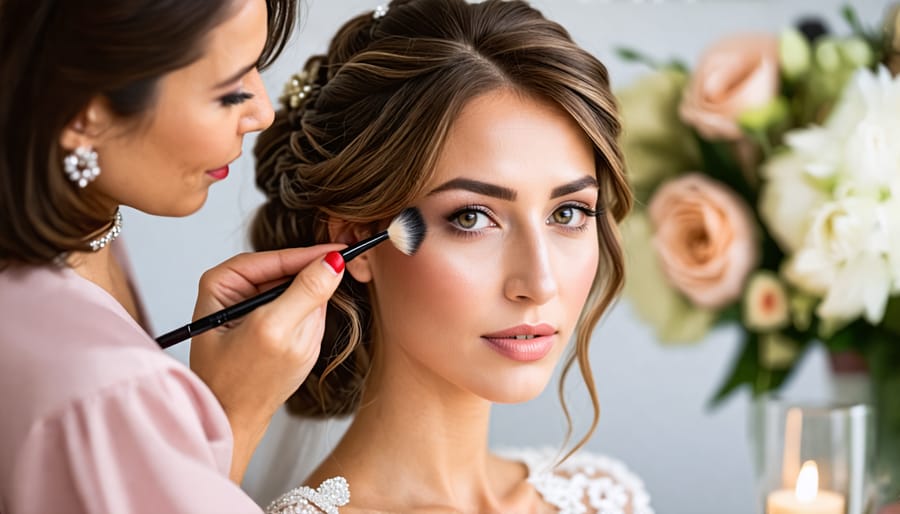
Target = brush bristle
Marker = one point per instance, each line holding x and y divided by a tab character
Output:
407	231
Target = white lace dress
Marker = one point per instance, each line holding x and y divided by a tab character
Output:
585	483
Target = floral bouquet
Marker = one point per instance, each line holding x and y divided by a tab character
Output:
768	187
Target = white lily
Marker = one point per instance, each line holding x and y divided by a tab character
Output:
832	202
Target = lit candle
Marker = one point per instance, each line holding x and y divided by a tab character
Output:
806	498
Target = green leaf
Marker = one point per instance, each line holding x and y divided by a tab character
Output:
720	163
743	371
747	370
891	320
852	19
730	313
632	55
842	340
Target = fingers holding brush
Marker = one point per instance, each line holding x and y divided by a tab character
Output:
253	364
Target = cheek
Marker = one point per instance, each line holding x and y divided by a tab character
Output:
576	269
437	284
196	138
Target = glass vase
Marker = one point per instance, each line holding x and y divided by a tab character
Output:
815	458
852	382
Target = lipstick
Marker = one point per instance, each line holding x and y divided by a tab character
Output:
218	174
523	343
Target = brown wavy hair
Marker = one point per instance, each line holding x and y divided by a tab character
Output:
55	56
366	138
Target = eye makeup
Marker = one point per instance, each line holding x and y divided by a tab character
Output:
575	207
472	220
235	98
459	217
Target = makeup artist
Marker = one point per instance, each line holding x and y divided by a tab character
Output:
142	103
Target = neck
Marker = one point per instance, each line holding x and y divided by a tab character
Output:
102	268
94	266
422	441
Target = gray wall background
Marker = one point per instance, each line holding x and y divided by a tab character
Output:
654	414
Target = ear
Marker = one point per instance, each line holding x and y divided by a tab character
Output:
88	127
341	231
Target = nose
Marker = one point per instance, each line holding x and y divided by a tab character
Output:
259	112
530	277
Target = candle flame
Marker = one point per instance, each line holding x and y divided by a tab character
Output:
808	482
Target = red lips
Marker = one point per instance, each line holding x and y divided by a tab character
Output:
218	174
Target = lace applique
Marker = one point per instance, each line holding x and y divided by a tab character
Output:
330	495
584	484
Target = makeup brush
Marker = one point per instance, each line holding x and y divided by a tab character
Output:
406	232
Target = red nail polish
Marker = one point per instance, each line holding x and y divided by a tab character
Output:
336	261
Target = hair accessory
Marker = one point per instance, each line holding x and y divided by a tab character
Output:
81	166
110	235
377	14
299	88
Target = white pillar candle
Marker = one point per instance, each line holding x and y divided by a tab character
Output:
806	498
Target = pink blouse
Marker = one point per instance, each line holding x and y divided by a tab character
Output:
94	417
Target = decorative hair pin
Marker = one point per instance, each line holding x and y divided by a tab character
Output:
299	87
377	14
296	90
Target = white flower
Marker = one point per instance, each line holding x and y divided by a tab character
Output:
846	258
788	199
832	202
856	141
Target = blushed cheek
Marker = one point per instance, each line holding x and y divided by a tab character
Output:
439	291
579	273
440	280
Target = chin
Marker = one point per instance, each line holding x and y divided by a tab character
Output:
186	206
520	388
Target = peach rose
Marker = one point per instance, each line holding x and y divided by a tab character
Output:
766	304
704	236
734	75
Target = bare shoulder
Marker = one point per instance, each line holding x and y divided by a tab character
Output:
586	482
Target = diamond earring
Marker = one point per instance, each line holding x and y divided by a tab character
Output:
81	166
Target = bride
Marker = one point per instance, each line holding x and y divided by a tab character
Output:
502	132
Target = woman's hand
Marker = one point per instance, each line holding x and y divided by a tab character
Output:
255	363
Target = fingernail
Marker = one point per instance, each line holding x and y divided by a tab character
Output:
335	261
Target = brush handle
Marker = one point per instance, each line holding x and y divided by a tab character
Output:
350	253
243	308
221	317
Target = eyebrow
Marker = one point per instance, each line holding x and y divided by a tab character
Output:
477	186
575	186
505	193
243	71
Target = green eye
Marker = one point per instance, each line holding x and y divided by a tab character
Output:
467	220
571	216
564	215
470	220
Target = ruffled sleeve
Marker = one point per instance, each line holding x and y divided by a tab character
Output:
155	443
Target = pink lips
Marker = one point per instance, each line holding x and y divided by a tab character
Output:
219	174
524	343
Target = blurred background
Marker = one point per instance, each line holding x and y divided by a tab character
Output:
654	397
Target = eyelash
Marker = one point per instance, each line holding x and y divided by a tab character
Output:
587	211
461	232
578	206
235	98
